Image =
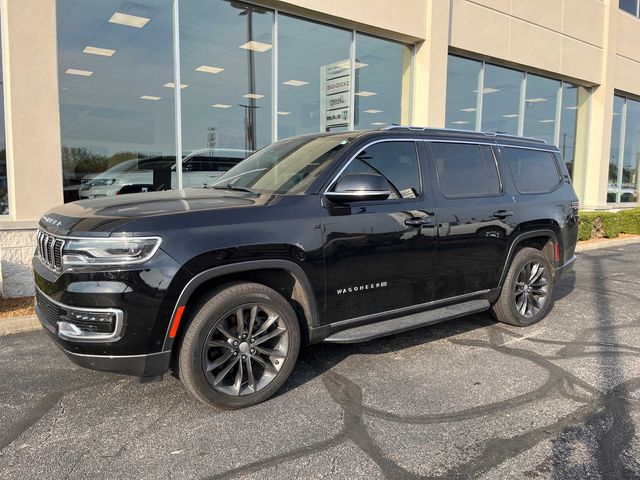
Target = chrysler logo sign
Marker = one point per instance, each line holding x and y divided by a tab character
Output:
51	221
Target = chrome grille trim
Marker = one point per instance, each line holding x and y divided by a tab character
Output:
49	249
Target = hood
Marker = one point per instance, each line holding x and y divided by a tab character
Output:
102	216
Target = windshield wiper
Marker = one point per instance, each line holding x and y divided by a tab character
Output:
230	186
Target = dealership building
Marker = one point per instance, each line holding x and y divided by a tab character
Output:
92	87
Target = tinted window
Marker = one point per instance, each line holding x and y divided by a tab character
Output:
396	161
533	171
466	170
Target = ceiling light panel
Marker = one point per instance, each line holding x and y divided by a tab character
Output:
173	85
81	73
105	52
295	83
256	46
365	93
373	110
149	97
209	69
221	105
128	20
253	95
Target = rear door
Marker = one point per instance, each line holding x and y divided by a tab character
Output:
476	217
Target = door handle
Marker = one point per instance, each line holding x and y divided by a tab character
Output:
503	213
417	222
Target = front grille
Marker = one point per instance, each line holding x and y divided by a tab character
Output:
50	249
50	311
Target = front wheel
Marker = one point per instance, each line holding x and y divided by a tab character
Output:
241	346
525	298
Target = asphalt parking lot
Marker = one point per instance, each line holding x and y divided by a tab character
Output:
466	399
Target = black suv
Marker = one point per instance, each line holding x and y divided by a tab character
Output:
339	237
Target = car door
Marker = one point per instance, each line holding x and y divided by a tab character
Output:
476	217
380	254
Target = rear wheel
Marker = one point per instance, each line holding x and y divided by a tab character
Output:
526	293
240	347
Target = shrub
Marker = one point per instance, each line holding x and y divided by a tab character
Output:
610	224
629	221
585	225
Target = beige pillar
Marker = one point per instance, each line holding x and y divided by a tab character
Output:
430	68
31	107
599	129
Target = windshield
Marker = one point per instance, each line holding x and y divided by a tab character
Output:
285	167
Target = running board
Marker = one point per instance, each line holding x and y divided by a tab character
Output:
408	322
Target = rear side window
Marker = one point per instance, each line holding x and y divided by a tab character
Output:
466	170
534	171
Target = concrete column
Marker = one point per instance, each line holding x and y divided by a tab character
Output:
599	130
31	107
430	68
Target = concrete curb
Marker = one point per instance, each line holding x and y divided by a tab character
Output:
614	242
27	323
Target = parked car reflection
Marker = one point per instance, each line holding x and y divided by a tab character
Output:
199	168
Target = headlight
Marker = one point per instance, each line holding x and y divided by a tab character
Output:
109	251
100	182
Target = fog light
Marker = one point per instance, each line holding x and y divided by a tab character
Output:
87	325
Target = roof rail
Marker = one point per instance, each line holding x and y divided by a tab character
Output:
457	130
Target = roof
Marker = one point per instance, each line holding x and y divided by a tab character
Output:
450	132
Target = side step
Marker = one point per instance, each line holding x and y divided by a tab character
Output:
408	322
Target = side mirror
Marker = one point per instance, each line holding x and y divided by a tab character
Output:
356	187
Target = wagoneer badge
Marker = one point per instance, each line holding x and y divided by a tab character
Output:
360	288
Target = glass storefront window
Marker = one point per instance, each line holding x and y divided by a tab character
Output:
629	173
489	98
4	187
226	53
501	99
382	82
116	102
304	48
624	163
463	82
541	102
118	95
630	6
614	157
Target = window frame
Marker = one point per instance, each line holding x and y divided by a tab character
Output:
477	144
551	153
360	149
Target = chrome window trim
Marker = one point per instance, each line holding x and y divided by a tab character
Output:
92	337
429	140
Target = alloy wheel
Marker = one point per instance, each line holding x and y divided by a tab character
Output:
245	350
531	289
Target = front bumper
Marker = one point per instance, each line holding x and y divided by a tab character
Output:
145	365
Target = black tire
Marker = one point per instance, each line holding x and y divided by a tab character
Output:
514	297
204	338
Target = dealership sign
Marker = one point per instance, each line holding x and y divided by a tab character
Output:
336	94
